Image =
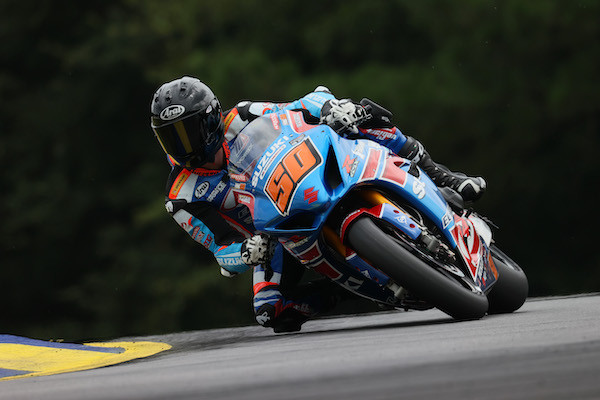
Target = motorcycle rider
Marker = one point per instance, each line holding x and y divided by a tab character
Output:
192	129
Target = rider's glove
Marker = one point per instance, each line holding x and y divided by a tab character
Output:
227	274
380	117
343	116
257	250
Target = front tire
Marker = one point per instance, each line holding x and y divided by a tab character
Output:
412	273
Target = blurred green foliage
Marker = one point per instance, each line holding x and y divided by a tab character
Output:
504	89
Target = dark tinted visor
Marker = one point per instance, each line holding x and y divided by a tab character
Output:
195	136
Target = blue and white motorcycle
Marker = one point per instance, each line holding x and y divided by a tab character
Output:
369	220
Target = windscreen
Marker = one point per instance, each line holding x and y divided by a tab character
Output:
249	146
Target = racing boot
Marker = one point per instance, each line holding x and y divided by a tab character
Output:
280	318
310	300
470	188
272	309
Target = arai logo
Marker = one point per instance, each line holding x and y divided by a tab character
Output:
172	112
201	189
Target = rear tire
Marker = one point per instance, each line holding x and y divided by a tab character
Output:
511	290
415	275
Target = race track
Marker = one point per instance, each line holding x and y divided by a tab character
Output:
550	349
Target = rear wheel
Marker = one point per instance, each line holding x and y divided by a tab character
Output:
510	292
438	288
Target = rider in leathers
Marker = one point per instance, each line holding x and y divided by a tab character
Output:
196	135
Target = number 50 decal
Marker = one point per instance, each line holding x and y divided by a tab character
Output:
290	172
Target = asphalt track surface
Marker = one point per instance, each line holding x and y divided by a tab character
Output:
550	349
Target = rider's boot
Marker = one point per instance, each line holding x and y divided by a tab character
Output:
272	309
470	188
282	316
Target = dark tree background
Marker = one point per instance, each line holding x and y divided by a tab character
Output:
505	89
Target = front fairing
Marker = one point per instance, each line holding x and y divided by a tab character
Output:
308	170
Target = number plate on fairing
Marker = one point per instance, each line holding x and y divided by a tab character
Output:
293	168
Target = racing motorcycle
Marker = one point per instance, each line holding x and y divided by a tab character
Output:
369	220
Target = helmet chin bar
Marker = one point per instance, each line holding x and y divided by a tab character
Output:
191	164
212	158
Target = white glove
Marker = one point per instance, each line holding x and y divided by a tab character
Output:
257	250
343	116
227	274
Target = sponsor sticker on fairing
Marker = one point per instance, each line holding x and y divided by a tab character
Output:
268	158
418	188
447	218
275	121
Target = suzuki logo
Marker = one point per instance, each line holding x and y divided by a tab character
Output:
311	195
419	188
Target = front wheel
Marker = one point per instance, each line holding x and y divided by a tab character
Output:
415	275
510	292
